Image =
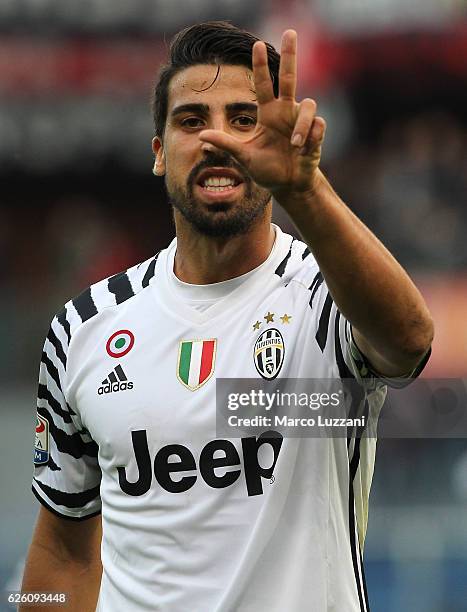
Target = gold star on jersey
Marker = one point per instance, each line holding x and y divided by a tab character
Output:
269	317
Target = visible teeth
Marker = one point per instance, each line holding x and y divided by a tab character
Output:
218	181
219	188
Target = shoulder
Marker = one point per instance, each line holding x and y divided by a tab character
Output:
299	265
101	296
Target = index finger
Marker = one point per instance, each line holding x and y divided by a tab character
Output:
261	75
288	65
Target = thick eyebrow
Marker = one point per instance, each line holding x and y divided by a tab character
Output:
195	107
203	109
242	107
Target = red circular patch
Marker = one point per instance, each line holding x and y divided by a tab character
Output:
131	342
40	428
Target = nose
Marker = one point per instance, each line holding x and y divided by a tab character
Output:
207	147
218	122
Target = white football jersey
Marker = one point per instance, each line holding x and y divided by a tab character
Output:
126	426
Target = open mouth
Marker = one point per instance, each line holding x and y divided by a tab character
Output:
219	181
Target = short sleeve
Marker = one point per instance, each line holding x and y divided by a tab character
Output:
365	371
66	471
332	333
335	339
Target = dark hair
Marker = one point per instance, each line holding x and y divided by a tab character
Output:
211	42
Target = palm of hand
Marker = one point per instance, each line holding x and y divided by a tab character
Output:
272	155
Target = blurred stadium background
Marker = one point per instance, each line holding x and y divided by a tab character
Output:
79	202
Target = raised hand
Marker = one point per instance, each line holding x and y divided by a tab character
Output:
284	150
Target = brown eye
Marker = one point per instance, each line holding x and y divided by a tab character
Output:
244	121
192	122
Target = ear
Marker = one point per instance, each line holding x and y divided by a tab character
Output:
159	163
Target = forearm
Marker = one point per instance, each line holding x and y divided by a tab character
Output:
368	285
47	571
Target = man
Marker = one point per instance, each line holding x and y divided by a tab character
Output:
126	412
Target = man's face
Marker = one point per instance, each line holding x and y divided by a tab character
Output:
208	187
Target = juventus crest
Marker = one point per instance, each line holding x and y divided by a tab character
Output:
268	353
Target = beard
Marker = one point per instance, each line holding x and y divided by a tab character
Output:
224	219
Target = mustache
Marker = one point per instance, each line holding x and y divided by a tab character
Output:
219	160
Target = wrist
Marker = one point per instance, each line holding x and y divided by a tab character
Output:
293	200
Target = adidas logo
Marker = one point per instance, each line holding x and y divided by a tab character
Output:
115	381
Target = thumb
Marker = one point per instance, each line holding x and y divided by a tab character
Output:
224	142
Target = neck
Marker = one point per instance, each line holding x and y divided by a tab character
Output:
202	260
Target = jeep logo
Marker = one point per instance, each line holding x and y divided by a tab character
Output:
207	464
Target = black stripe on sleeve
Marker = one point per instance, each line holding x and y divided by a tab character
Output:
281	267
53	373
51	369
150	271
44	393
355	460
322	333
69	500
356	392
305	253
84	305
70	444
61	318
52	465
52	338
344	371
59	514
121	287
318	279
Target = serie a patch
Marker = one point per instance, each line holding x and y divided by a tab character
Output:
41	442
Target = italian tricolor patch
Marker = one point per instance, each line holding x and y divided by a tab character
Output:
196	362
